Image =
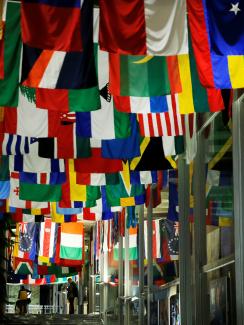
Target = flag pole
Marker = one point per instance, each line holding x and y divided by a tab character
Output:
149	258
141	265
121	276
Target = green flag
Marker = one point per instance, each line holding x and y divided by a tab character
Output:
12	46
40	192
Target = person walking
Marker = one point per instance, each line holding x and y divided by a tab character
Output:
23	300
72	294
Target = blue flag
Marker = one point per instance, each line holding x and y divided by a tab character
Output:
225	20
127	148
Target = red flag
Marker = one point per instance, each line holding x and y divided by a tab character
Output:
61	26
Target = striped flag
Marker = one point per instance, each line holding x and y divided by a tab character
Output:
170	123
143	105
13	144
34	164
96	179
142	27
26	120
59	84
47	240
133	252
71	244
67	144
42	178
159	239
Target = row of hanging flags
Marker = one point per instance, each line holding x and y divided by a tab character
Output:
48	249
97	106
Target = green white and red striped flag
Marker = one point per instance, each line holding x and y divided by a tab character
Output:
71	245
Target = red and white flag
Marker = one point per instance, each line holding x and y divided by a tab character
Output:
47	240
170	123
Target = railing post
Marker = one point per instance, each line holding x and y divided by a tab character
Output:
238	185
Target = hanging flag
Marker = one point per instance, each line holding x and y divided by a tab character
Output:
221	16
22	217
14	196
125	194
58	70
60	85
172	233
53	77
71	191
127	148
56	217
59	271
188	93
68	100
133	251
4	189
47	240
97	179
25	245
173	202
47	279
147	30
91	124
66	145
61	24
40	192
219	52
71	244
2	32
22	266
26	120
4	168
66	211
156	239
13	144
21	212
143	177
62	261
33	163
97	164
152	156
43	178
101	211
143	105
162	124
194	95
12	47
158	76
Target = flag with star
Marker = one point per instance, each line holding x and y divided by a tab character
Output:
217	34
172	235
25	240
226	29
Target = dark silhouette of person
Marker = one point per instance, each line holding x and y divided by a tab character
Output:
72	294
23	299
